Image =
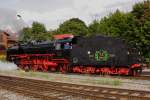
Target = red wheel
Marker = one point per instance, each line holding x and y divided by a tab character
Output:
53	69
63	68
34	67
136	72
26	68
44	68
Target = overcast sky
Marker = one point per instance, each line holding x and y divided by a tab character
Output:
54	12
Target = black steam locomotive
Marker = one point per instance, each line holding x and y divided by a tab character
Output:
93	55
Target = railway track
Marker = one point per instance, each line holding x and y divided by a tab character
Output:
46	90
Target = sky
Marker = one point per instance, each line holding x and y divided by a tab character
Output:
54	12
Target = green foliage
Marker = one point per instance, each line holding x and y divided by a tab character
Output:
94	27
141	9
26	34
73	26
36	32
2	58
142	13
115	24
38	28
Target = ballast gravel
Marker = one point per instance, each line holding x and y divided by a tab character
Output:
102	81
9	95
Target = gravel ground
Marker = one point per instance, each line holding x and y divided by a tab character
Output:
85	79
9	95
106	81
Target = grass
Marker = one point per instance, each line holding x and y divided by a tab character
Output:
22	73
45	76
2	58
105	81
148	86
101	81
64	78
33	74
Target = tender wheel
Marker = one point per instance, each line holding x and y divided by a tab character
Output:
136	71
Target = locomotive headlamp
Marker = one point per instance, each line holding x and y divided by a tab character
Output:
89	52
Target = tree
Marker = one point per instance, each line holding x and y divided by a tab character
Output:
74	26
36	32
26	34
38	28
116	24
141	11
94	27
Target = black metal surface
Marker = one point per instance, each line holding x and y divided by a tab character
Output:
120	54
111	51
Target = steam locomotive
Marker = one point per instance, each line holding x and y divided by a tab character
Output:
75	54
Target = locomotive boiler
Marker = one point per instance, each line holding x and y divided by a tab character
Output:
92	55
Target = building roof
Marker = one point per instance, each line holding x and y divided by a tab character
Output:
62	36
4	32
